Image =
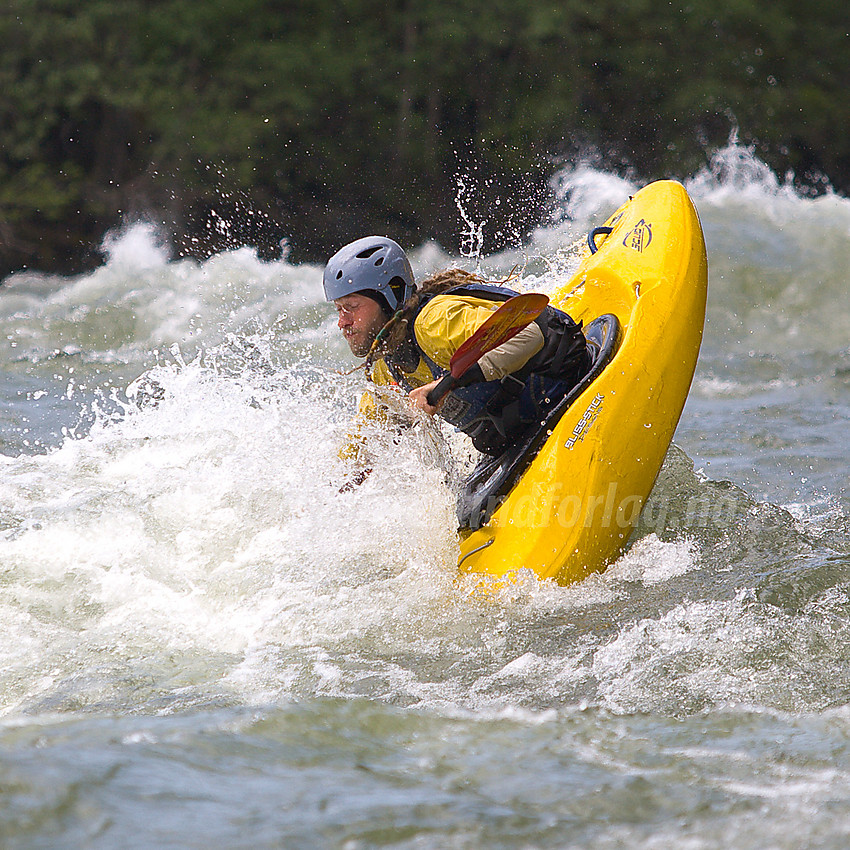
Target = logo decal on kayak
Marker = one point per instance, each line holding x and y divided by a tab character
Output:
639	236
588	418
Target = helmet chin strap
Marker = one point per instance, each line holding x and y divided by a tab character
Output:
375	348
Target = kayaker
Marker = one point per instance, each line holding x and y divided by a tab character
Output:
408	335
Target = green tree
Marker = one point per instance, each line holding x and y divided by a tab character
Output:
245	121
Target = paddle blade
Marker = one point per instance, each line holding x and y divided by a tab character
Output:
506	322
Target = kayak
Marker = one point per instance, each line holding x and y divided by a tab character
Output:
564	501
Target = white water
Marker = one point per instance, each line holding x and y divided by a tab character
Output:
189	599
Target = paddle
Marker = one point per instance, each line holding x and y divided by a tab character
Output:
506	322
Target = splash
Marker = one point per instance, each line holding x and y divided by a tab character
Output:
137	247
208	518
472	234
584	193
735	171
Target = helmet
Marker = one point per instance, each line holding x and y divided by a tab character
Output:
373	263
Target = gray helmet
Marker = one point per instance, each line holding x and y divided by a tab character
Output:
373	263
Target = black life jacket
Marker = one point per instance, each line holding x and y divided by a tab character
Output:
495	413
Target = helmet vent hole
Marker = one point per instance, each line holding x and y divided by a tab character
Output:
366	253
379	261
339	274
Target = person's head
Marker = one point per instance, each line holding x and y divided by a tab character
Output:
367	280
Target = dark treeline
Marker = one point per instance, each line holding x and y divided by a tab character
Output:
249	121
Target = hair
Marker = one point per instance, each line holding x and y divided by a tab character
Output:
395	331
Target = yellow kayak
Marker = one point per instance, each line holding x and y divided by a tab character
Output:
564	503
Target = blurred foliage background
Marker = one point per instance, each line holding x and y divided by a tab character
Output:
317	121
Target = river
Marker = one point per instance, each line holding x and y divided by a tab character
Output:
206	643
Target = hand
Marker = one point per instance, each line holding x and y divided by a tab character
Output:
419	399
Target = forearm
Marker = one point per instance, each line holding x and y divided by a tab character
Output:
512	355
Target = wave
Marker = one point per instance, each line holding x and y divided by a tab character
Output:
188	544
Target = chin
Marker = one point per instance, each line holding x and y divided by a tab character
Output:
358	349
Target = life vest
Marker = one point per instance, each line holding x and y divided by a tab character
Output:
495	413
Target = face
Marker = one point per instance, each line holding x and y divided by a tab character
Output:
360	319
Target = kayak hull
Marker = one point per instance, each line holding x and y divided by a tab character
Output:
574	507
